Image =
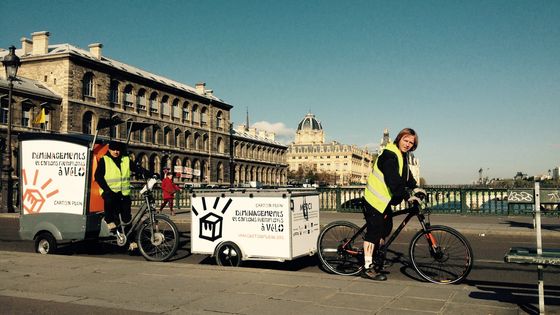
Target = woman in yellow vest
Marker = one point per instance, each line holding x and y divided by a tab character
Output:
386	186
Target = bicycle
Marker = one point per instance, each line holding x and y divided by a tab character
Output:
157	236
438	253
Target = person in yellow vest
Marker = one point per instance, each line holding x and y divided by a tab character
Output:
388	184
113	176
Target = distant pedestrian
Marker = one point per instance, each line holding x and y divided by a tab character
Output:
168	189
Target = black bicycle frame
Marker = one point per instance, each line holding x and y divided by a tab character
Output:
137	218
410	212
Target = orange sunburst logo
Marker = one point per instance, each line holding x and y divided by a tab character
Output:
33	197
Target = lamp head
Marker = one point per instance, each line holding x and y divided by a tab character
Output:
11	63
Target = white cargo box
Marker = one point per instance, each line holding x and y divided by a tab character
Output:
277	224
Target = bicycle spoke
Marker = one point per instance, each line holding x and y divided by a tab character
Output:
162	243
449	262
347	261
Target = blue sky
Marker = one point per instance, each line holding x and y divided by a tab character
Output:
478	80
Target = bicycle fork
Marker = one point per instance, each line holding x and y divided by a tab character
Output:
434	247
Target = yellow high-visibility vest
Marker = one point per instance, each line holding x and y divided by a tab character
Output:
377	194
116	180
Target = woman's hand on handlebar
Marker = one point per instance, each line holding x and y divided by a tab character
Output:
413	200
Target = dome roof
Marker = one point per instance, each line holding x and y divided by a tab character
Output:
309	123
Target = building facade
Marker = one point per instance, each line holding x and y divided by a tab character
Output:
188	128
342	164
258	157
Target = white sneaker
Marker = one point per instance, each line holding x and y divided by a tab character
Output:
132	246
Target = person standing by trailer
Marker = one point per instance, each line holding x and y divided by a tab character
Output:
113	176
168	189
386	186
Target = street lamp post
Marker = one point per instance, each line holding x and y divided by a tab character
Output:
231	157
11	64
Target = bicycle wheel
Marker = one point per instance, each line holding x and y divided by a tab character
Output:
348	261
451	259
165	239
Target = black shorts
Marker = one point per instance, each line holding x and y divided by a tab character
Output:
379	225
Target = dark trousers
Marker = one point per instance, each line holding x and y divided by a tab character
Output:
167	201
379	225
116	204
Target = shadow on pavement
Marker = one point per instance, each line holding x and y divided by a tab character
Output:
525	296
516	224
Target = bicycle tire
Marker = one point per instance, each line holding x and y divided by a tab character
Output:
329	248
165	242
452	261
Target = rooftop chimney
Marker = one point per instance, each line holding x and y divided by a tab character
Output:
26	45
95	50
200	87
40	42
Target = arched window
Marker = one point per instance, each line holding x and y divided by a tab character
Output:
128	97
88	85
187	139
197	144
26	109
219	120
114	92
155	135
175	113
141	99
4	110
203	116
165	105
220	173
178	138
205	142
166	136
204	171
87	123
114	131
196	171
185	111
194	116
154	108
220	145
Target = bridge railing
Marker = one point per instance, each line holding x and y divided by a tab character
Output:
459	200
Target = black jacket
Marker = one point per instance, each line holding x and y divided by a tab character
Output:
100	171
389	165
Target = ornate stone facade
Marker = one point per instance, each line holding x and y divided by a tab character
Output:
189	125
347	164
258	157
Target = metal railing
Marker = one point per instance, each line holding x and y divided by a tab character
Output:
456	200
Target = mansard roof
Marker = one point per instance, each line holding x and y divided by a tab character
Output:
64	49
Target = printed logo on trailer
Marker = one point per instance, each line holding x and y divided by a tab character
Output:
305	207
33	198
211	224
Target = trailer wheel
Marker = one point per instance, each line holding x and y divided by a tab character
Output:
45	243
228	254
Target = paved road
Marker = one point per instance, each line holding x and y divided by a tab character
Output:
489	236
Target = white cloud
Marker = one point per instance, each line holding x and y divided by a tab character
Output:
283	134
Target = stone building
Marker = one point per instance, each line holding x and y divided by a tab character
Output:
346	164
258	157
188	126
